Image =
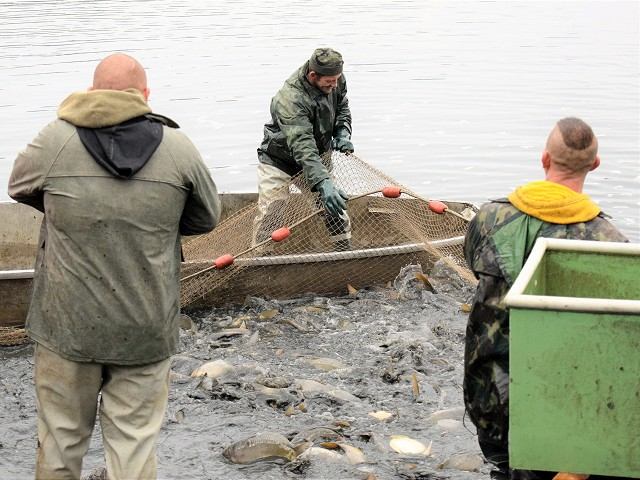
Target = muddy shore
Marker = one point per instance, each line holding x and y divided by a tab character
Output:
311	367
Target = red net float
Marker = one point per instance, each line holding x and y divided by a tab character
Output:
391	192
280	234
224	261
437	206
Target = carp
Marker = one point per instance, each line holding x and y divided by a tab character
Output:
315	434
263	446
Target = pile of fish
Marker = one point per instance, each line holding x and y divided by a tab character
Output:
363	386
338	387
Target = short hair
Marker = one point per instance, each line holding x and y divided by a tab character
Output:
579	145
576	134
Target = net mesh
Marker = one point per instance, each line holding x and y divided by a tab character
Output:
10	336
386	234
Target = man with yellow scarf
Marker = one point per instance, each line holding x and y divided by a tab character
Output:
496	247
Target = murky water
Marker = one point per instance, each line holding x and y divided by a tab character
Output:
294	367
453	99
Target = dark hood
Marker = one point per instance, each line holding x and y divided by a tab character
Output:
116	127
125	148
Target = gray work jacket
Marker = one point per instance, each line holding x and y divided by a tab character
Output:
106	286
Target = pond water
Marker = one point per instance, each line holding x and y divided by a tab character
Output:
453	99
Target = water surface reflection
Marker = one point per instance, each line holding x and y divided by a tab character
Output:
453	99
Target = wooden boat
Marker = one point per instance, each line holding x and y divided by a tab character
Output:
19	231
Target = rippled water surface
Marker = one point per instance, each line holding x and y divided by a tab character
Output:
454	99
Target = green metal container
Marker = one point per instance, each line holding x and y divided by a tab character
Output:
574	395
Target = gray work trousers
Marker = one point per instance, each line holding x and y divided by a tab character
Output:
132	404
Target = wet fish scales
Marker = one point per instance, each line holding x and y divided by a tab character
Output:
260	447
317	433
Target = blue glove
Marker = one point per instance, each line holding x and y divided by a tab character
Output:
333	199
342	142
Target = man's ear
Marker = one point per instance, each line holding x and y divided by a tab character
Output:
596	163
145	93
546	160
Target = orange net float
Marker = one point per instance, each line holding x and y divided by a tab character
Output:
280	234
436	206
223	261
391	191
570	476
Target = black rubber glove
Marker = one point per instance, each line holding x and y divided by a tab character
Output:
342	142
333	199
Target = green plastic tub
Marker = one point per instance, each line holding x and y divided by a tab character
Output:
574	395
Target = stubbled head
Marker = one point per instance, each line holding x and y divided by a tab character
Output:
325	68
572	147
120	72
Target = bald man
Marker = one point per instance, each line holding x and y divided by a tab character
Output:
120	72
497	244
118	186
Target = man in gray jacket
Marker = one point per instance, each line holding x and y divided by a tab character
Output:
309	116
118	186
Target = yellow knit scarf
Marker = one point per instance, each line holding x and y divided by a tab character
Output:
554	203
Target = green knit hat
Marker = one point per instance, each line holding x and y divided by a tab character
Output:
326	61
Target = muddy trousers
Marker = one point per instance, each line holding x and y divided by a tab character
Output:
132	404
273	189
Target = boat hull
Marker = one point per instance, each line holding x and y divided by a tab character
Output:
294	276
19	230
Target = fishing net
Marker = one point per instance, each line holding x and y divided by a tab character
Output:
293	249
11	336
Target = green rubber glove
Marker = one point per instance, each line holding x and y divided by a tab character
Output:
333	199
342	142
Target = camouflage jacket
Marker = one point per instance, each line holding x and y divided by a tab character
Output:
303	122
497	244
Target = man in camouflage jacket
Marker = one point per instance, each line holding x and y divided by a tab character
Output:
497	244
309	116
